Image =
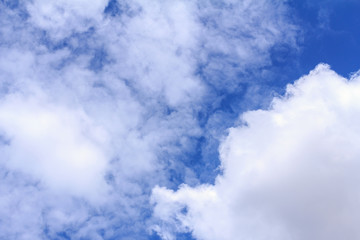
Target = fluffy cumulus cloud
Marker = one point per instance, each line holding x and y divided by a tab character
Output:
100	101
290	172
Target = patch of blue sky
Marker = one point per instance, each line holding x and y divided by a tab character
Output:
113	8
119	8
116	8
331	35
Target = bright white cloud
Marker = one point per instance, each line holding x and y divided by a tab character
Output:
61	146
290	172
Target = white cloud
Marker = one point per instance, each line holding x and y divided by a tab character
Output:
65	17
61	146
240	44
85	141
290	172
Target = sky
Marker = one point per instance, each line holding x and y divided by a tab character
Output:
188	119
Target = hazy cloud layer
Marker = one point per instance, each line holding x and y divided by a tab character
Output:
290	172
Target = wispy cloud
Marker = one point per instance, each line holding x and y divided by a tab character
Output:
100	101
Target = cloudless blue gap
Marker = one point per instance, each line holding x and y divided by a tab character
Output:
331	34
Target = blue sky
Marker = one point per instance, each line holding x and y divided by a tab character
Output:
179	120
331	34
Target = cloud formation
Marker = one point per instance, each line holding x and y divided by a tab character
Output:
99	102
290	172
